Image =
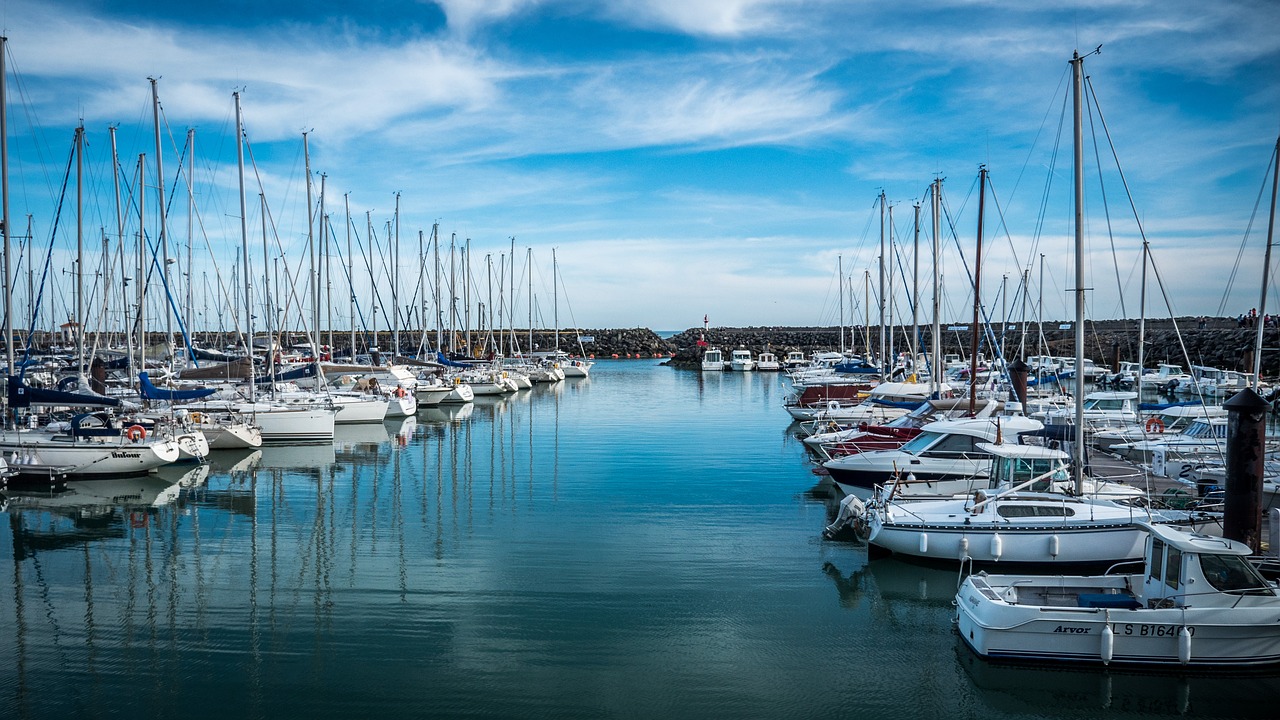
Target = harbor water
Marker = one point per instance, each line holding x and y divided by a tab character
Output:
640	544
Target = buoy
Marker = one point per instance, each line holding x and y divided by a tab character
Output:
1108	644
1053	546
615	356
1184	645
964	546
136	433
1155	425
924	543
997	546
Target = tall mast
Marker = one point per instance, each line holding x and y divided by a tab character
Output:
124	290
244	249
1142	314
528	254
80	324
1266	270
840	293
313	285
351	288
977	295
466	291
4	205
511	305
881	359
435	234
395	289
191	220
1077	84
935	342
268	300
326	268
142	265
915	288
555	300
890	358
164	235
373	283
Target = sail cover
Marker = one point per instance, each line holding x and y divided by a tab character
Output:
151	392
22	395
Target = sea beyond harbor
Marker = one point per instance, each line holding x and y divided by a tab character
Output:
643	543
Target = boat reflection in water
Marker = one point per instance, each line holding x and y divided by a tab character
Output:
1029	689
894	581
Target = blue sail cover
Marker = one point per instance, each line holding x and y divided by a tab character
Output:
22	395
451	363
309	370
151	392
857	367
1145	407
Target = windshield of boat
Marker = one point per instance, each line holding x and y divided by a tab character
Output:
1228	573
919	443
1104	404
1010	472
1199	429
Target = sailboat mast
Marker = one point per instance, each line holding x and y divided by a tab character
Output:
840	293
977	295
142	265
881	360
80	324
1077	86
915	289
395	288
351	288
244	248
1266	269
529	269
935	342
164	235
1142	315
313	286
555	300
191	220
4	206
890	359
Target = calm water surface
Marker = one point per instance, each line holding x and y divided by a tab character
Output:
640	544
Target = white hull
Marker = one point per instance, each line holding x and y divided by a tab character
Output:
1215	636
461	393
232	436
359	410
86	456
400	407
576	369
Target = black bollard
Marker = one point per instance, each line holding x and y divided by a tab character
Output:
1018	378
1246	448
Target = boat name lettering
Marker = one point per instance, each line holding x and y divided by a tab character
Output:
1072	630
125	455
1146	630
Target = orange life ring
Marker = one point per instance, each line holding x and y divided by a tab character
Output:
1155	425
136	433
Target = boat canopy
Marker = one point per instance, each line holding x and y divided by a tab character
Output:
151	392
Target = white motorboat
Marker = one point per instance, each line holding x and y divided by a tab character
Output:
1022	522
1204	439
768	362
740	361
895	433
1165	422
576	367
947	457
712	360
1198	602
1102	409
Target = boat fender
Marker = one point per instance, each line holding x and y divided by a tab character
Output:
136	433
924	543
1184	645
997	546
964	546
1053	546
1155	425
1108	644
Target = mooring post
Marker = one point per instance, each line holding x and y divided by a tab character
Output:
1246	447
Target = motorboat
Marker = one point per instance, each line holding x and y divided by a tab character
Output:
1102	409
740	361
712	360
1203	439
1019	519
947	456
768	362
838	440
1197	602
1167	421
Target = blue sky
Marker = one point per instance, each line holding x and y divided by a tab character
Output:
684	157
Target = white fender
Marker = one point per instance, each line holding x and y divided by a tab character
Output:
924	543
1184	645
997	546
1053	546
1108	644
964	546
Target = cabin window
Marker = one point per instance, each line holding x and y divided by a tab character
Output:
1173	568
1157	558
957	446
1025	511
1231	572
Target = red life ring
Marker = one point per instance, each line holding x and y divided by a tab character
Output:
1155	425
136	433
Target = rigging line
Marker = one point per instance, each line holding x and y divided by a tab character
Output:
1066	73
44	275
1257	203
1106	208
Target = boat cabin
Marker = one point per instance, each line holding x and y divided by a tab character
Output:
1027	467
1189	570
